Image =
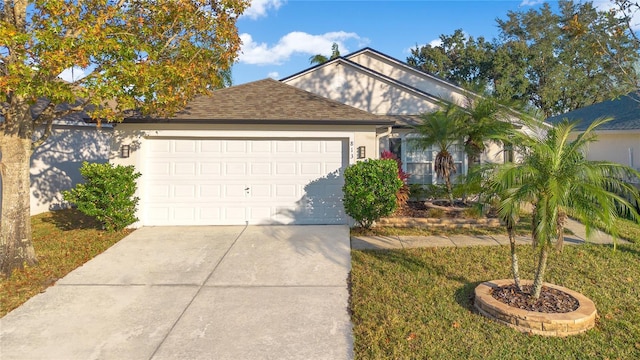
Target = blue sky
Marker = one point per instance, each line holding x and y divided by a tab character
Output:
279	36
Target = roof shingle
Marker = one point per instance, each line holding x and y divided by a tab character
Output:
624	110
269	101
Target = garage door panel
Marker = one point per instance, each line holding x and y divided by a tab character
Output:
216	181
210	168
213	191
185	146
260	169
185	168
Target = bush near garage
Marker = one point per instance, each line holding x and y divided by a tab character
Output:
370	189
107	194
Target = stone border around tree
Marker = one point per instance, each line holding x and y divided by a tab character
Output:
546	324
438	222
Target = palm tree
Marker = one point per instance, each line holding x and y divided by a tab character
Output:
484	120
556	178
321	59
441	129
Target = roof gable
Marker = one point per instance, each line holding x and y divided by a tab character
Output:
625	111
377	83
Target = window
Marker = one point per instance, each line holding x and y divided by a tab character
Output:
419	163
508	153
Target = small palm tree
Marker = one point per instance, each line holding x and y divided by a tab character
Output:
556	178
321	59
485	120
441	129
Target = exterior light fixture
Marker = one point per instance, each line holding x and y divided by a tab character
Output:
124	151
362	152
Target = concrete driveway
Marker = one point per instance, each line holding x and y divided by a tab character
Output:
257	292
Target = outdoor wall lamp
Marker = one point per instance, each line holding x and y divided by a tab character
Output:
124	151
362	152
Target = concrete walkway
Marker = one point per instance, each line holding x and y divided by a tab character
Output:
224	292
406	242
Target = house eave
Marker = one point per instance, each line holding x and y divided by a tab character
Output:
256	121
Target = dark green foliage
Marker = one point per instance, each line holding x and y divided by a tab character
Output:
370	189
557	60
107	194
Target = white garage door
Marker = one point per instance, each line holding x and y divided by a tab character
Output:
235	182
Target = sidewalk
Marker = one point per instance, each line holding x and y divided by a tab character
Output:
407	242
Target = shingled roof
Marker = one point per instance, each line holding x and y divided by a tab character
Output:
269	101
624	110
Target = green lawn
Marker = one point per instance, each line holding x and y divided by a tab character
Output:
63	240
417	303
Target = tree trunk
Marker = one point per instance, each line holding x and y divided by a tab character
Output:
515	269
447	181
16	248
542	267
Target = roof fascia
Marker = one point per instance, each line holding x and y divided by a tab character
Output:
254	121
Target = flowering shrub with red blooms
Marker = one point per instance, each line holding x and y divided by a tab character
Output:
402	196
401	174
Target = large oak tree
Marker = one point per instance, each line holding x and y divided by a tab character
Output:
152	56
556	60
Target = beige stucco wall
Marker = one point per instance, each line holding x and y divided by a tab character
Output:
411	77
617	146
359	89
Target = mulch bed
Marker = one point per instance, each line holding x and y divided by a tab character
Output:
551	300
419	209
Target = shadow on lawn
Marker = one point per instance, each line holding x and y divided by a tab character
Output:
632	249
72	219
409	260
413	263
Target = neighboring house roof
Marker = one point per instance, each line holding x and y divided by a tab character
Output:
268	101
625	111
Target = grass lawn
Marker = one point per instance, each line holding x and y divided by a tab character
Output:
417	303
63	241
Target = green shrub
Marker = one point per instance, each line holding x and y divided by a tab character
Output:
107	194
370	189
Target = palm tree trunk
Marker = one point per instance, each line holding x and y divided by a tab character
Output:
542	267
515	269
16	249
447	181
561	221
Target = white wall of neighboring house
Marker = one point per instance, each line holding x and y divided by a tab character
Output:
55	164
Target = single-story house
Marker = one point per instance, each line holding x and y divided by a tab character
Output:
266	152
619	139
273	152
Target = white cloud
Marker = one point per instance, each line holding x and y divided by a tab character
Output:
435	42
293	43
73	74
531	2
259	8
606	5
273	75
